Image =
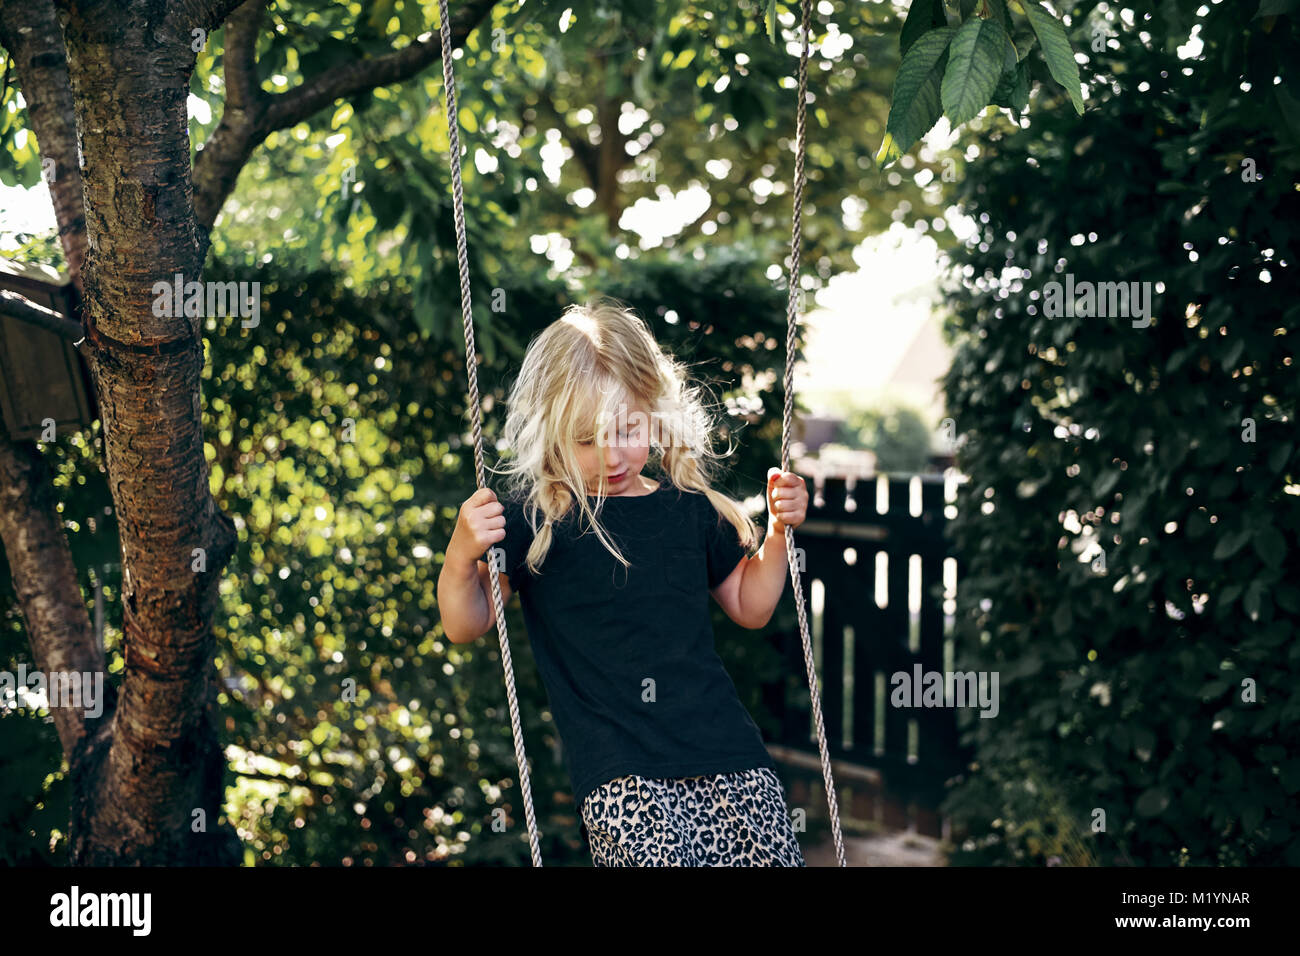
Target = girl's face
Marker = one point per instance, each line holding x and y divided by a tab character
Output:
618	452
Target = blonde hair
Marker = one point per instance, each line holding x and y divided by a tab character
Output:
575	376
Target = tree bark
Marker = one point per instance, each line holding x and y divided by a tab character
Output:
45	579
107	99
30	32
613	158
138	790
40	560
17	307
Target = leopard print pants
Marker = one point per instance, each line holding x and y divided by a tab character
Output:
729	819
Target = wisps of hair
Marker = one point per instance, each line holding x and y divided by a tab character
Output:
582	372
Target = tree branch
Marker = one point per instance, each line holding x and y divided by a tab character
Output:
219	160
259	114
31	33
613	158
16	307
303	101
240	57
45	579
208	14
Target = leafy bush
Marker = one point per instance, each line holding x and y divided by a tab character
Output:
897	435
1130	528
338	443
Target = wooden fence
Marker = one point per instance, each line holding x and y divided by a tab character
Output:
877	573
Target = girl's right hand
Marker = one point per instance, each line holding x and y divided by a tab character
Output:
480	525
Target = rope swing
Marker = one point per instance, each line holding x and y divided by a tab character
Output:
462	259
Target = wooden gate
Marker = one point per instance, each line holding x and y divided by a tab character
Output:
877	572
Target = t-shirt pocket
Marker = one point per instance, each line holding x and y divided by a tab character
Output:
684	571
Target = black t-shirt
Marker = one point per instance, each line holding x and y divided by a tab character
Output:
627	654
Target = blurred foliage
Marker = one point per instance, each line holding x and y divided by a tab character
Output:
337	427
337	440
33	793
337	431
897	435
33	248
34	789
1130	528
701	104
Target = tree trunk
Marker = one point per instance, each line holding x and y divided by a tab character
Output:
150	791
106	96
45	579
611	159
40	561
30	32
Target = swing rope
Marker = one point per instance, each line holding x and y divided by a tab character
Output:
792	320
462	259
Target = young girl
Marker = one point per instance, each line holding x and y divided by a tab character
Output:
614	570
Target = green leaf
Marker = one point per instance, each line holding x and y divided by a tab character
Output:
1230	544
1019	99
1291	775
1025	41
1270	546
1152	802
381	12
1253	602
1289	108
1010	55
1145	740
1279	456
1103	485
314	249
1231	593
975	61
999	9
921	18
914	107
640	79
1275	8
771	21
1232	354
1056	51
1215	688
411	19
1230	774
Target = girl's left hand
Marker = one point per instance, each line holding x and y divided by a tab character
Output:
787	500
